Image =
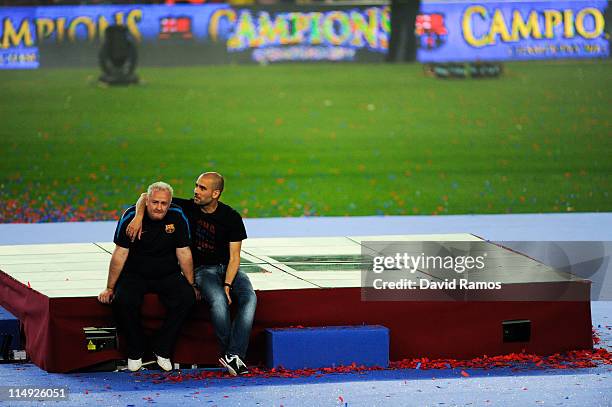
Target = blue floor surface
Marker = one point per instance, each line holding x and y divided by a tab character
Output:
404	387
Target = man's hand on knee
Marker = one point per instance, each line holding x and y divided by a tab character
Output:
227	294
106	296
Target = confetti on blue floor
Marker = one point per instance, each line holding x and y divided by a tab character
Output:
498	386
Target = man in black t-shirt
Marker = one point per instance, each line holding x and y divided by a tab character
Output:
217	235
152	264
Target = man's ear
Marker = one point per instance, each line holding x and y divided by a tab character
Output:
216	194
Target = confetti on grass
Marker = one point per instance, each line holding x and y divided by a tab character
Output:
37	212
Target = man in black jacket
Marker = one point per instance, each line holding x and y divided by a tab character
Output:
152	264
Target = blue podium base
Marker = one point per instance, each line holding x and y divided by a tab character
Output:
315	347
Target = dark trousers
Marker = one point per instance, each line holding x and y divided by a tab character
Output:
176	295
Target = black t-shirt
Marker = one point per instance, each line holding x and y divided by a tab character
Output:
211	233
154	254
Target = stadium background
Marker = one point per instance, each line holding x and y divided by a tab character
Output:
307	119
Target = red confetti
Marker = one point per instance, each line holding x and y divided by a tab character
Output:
596	338
516	361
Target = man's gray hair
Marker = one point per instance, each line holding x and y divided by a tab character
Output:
160	186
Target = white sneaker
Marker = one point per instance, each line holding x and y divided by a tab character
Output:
164	363
134	365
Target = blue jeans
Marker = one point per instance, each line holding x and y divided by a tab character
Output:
233	337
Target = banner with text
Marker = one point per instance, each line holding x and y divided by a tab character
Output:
31	37
511	30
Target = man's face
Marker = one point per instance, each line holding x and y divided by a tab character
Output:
158	203
204	191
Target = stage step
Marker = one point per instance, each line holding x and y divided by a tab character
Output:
10	339
316	347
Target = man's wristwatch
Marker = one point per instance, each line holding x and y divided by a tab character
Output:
227	285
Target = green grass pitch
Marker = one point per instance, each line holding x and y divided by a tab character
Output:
306	139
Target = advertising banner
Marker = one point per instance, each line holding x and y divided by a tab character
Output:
329	33
447	31
31	37
511	30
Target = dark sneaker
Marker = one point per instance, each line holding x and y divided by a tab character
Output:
235	366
